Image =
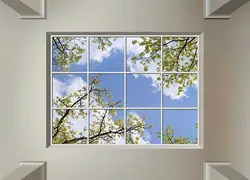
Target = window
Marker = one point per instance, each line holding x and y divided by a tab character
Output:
124	90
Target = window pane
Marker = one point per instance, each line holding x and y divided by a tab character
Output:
69	91
180	90
161	76
143	127
144	54
107	54
143	90
106	127
69	54
69	127
180	127
107	90
180	54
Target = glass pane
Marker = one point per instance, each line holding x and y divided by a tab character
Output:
107	54
143	90
180	54
180	90
180	127
69	91
69	54
144	54
143	127
106	127
106	90
69	127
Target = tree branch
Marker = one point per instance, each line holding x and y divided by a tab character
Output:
62	102
193	60
67	112
119	131
103	118
62	51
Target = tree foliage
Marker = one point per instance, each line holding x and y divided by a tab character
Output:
102	127
169	138
180	54
66	51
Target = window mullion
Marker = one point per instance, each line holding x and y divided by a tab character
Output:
88	99
125	90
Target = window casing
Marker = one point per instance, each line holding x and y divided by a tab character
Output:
87	108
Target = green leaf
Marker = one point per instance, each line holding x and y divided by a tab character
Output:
134	42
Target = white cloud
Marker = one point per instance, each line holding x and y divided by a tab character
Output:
138	67
95	119
172	92
57	88
76	124
142	140
82	43
134	49
95	53
98	55
69	86
83	60
119	140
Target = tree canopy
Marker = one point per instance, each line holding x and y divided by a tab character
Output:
180	54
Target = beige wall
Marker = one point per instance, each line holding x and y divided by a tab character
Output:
239	60
23	90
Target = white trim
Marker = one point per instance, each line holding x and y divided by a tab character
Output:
129	108
127	36
32	17
217	17
133	146
200	91
124	72
51	93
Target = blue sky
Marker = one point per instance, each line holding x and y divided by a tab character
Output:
142	91
183	122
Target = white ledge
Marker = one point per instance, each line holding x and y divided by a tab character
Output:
28	9
29	171
221	9
221	170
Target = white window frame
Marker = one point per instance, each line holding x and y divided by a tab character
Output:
199	107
